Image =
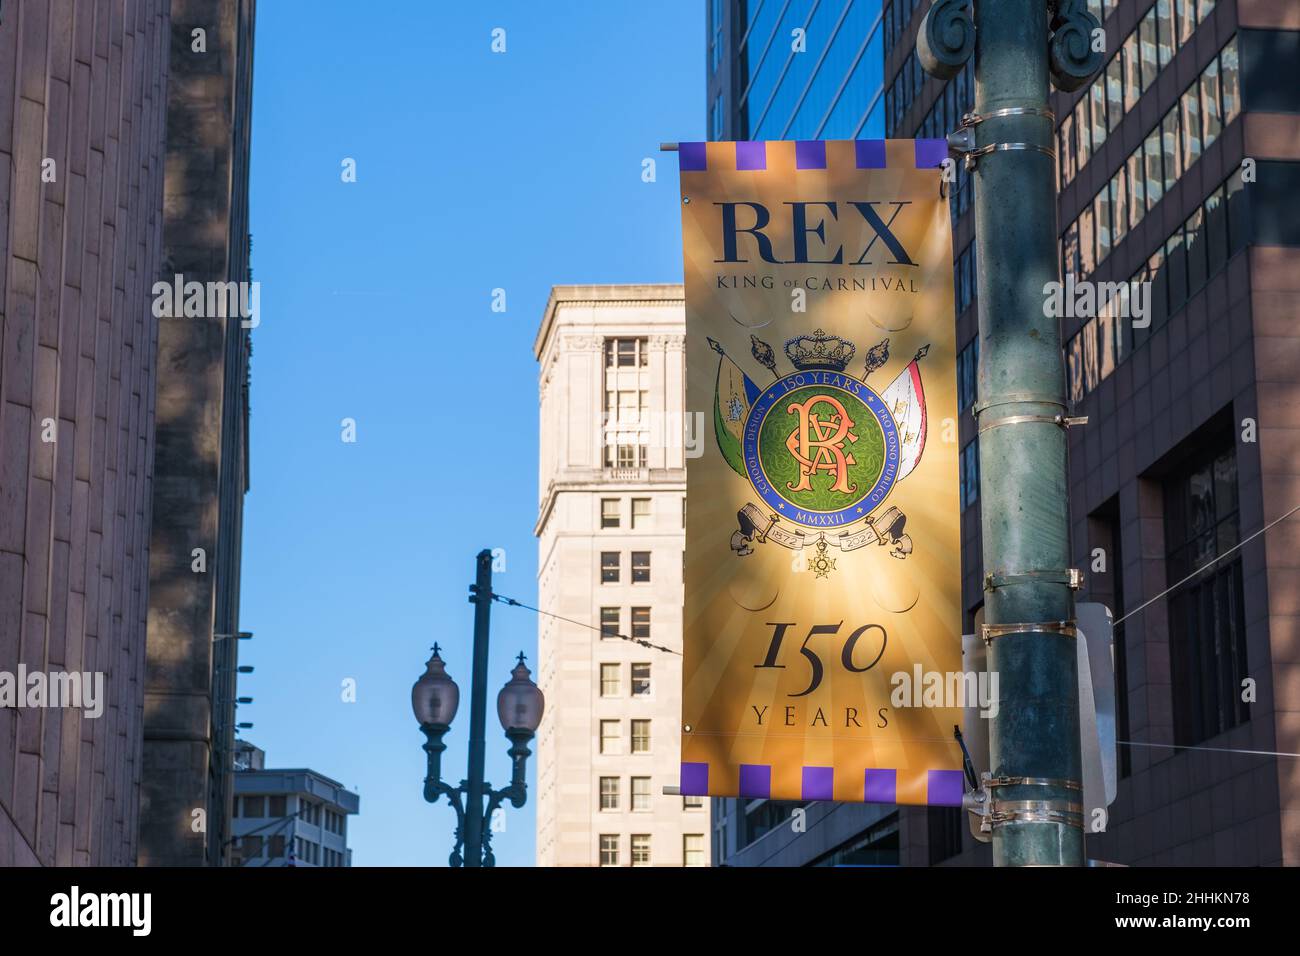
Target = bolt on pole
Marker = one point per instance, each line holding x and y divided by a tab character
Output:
1008	144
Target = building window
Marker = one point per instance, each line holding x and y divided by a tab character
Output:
1165	15
945	826
276	847
610	621
640	567
609	680
254	806
609	567
692	849
715	42
609	512
640	793
627	406
609	736
968	374
1230	81
621	454
640	736
626	353
640	680
1207	619
640	514
609	793
640	849
276	806
641	623
609	849
250	847
970	474
692	803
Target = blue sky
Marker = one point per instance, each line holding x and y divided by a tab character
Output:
475	171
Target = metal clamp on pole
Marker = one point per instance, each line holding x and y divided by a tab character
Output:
1064	421
1064	628
1007	781
1018	398
1065	812
1056	810
962	139
1072	577
974	119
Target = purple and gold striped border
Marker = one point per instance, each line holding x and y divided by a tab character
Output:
811	154
943	787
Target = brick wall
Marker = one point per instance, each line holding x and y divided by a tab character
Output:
84	84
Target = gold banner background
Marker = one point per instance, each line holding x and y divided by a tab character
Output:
730	599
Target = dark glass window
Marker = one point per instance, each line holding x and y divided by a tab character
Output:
609	567
640	566
641	678
1147	36
1155	184
1165	16
1098	96
609	621
625	353
1212	120
641	623
1115	90
1207	620
1173	159
1132	71
1195	231
1176	260
970	474
967	374
1216	230
944	824
1238	215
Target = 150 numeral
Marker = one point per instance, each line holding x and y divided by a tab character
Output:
814	661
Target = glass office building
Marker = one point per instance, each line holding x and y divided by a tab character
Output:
796	69
1178	174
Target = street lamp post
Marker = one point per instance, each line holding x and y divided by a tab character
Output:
1008	146
435	698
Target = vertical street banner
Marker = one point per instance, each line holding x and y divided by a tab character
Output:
822	619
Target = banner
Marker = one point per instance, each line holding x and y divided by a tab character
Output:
822	621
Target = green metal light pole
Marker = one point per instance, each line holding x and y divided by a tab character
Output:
435	699
1035	792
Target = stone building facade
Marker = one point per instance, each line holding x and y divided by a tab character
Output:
82	118
202	445
610	532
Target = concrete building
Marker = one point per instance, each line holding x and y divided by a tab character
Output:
287	817
1192	435
82	118
610	532
202	442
